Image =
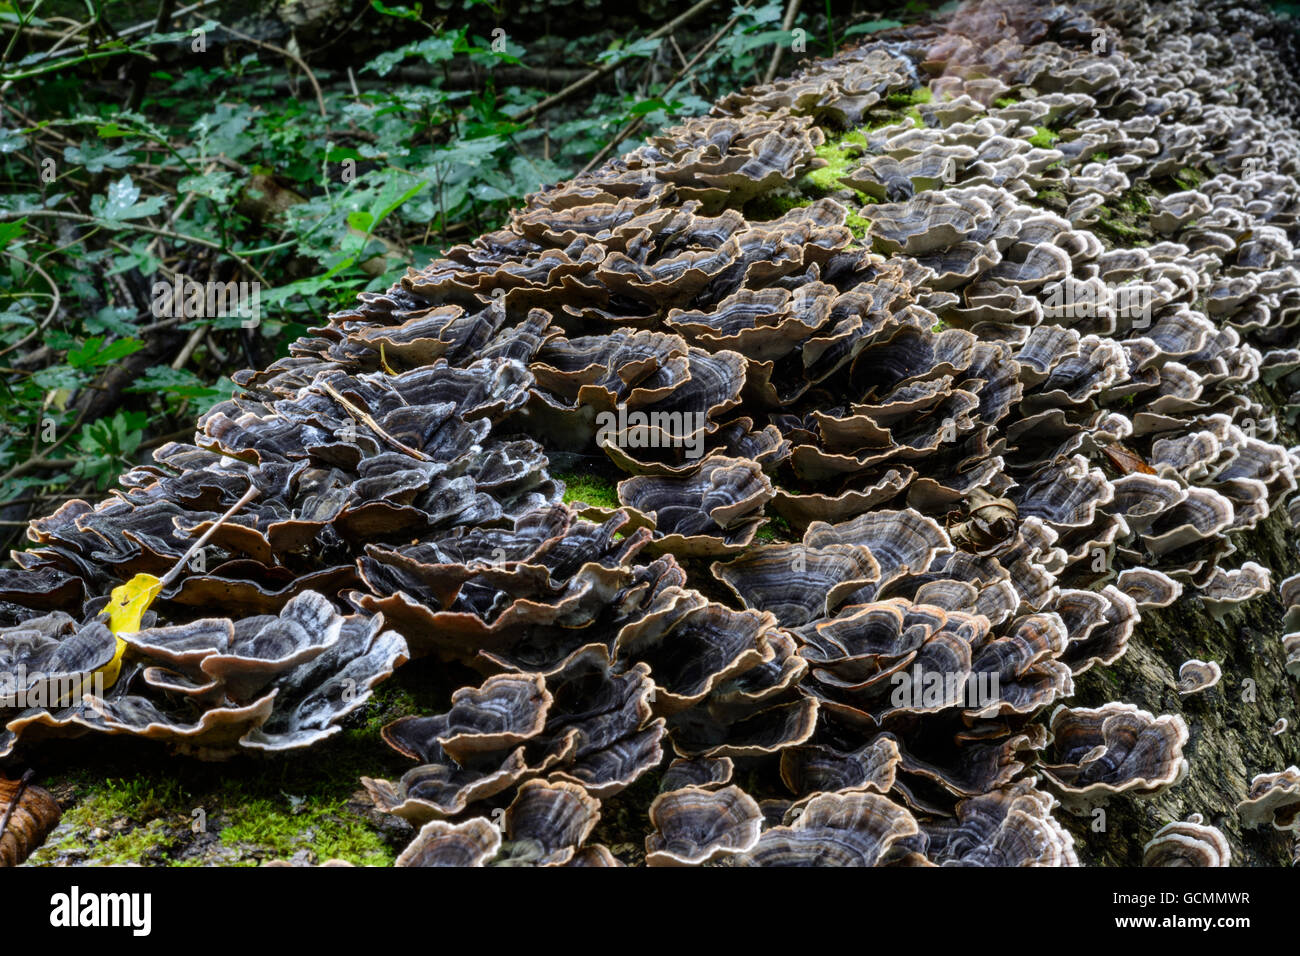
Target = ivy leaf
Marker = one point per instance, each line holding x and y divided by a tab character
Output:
94	353
11	141
108	444
872	26
436	49
58	377
123	203
178	382
643	47
97	157
9	231
218	185
406	13
648	106
114	319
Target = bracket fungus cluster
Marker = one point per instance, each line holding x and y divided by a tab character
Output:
910	432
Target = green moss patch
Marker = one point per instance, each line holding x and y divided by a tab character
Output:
776	529
1189	178
840	156
922	94
328	829
857	225
774	205
1043	138
589	489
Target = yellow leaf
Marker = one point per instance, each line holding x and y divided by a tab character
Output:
126	606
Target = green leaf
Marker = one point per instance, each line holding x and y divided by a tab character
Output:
11	141
97	157
224	130
113	130
871	26
58	377
643	47
436	49
94	353
405	13
9	231
178	382
121	203
114	319
218	185
648	106
108	444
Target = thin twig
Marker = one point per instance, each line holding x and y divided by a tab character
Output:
677	78
184	559
140	81
43	460
8	214
311	77
786	25
196	336
13	802
370	423
579	85
49	316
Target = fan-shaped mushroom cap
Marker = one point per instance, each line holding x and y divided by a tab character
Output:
1107	641
798	584
1202	514
700	731
1189	843
313	699
547	822
1012	826
814	769
1114	749
694	826
708	773
1195	676
1275	797
899	541
595	854
504	712
583	723
440	790
49	657
262	649
970	413
713	511
854	829
215	733
931	220
1141	498
1149	588
1226	588
439	843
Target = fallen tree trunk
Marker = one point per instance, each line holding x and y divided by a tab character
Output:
932	375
